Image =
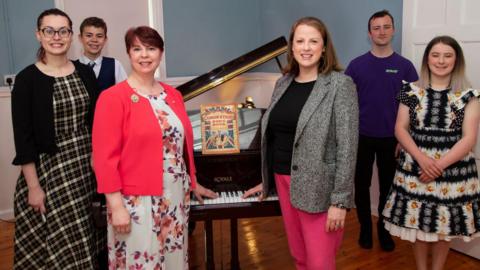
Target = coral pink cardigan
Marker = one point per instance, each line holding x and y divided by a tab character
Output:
127	141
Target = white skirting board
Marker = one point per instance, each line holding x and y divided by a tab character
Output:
7	214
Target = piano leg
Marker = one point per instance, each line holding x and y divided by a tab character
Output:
234	263
210	263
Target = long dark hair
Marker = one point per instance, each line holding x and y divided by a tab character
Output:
53	11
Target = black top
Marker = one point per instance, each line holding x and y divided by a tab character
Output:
32	111
283	123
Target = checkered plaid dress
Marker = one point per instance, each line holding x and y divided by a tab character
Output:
67	239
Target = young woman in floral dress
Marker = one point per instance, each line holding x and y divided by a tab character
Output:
436	192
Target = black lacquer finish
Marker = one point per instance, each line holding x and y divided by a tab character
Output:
233	68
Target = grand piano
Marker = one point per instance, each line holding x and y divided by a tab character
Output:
231	175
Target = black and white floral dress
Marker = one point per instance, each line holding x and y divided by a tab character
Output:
449	206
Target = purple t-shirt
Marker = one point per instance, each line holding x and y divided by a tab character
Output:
378	83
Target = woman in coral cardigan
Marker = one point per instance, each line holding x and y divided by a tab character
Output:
143	159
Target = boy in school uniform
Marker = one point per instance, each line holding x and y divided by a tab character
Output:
93	36
109	71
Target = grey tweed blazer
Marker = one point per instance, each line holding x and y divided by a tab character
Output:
325	146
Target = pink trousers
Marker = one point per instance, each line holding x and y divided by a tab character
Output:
311	246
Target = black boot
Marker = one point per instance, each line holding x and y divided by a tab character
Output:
384	237
365	240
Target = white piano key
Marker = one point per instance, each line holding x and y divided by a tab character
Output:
232	196
223	197
239	196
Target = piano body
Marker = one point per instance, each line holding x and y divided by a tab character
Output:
231	174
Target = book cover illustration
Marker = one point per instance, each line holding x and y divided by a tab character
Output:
219	129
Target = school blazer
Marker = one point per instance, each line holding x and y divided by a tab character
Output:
325	145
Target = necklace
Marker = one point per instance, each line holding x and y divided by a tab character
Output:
151	93
155	89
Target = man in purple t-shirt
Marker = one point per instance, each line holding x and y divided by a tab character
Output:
378	75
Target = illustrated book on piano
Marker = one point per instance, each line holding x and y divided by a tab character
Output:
219	126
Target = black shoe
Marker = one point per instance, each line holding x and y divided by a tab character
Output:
365	240
385	239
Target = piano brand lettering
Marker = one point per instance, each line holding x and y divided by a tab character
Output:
222	179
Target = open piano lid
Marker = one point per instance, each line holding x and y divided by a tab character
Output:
233	68
248	119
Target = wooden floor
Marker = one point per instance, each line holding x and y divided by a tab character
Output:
262	245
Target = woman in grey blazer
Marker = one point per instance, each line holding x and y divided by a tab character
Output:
309	144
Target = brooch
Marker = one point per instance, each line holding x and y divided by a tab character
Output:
134	98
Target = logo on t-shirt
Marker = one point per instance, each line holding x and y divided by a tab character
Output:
389	70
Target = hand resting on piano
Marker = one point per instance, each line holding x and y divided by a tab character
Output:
200	192
235	197
258	189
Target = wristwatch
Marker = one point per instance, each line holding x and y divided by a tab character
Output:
340	205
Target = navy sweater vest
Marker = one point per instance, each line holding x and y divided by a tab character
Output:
106	77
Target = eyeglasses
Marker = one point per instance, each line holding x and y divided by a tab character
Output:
63	32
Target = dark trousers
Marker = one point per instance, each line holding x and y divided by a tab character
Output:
369	148
103	259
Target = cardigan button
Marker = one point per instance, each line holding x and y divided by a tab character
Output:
294	167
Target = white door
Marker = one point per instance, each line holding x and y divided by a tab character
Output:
425	19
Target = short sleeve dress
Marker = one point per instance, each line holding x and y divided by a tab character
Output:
449	206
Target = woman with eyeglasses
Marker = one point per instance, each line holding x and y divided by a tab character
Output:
52	111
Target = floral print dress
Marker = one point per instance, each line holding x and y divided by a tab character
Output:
159	232
449	206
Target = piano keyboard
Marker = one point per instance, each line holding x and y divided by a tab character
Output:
232	197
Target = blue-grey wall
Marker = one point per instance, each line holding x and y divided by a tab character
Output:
201	35
17	29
